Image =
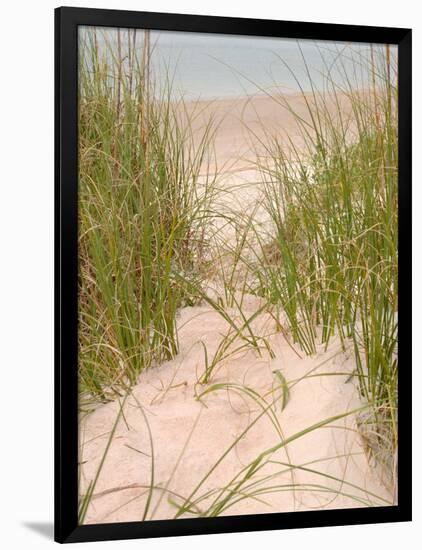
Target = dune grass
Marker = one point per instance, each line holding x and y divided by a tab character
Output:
329	264
142	209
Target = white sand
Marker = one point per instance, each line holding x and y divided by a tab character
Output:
190	436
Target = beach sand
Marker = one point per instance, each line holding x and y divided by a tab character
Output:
196	443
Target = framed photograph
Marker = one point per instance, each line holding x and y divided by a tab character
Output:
233	284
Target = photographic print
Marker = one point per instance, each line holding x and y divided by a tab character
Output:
237	275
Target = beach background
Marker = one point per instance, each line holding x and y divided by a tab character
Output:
172	423
215	66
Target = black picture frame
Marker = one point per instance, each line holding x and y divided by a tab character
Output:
67	21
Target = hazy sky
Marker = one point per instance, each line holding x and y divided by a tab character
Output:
213	65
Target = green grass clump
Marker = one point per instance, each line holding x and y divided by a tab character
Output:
142	207
330	261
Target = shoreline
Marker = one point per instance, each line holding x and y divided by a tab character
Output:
261	116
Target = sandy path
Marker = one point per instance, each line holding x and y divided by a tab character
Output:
189	436
166	395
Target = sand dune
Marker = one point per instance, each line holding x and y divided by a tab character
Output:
325	468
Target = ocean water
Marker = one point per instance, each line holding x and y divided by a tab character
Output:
202	65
